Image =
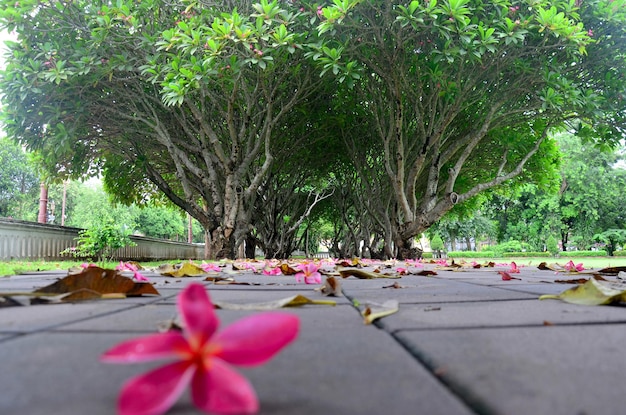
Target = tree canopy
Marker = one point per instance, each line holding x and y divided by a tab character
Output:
432	102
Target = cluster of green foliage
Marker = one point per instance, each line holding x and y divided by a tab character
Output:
416	107
99	242
576	212
612	239
510	246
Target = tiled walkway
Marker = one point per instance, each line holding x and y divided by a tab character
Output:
462	342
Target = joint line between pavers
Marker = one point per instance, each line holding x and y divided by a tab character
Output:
473	402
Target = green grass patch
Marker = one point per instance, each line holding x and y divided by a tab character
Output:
20	267
595	262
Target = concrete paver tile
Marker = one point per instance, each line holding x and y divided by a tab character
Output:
337	366
531	370
418	290
40	317
498	314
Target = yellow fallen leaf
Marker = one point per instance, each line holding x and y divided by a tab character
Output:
293	301
374	311
593	292
186	269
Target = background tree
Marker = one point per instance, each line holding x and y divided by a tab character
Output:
19	183
592	188
612	239
583	202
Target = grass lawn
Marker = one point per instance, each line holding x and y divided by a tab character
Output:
588	262
19	267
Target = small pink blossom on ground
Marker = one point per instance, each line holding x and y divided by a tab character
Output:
203	358
442	262
514	269
87	265
210	267
310	272
247	266
414	263
127	266
402	270
571	267
272	271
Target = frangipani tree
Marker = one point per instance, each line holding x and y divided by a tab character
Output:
183	98
460	96
186	98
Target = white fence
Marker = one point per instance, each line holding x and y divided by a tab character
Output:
30	241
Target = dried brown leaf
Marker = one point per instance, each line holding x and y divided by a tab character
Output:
102	281
362	274
331	287
611	270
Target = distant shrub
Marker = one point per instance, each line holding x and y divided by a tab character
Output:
585	253
510	246
552	245
526	254
427	255
471	254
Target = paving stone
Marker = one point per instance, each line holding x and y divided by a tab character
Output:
40	317
150	317
557	370
538	289
337	366
427	290
478	346
498	314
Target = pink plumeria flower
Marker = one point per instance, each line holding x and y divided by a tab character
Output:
272	271
310	272
514	269
210	267
402	271
127	266
571	267
202	358
87	265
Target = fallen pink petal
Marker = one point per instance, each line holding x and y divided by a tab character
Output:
272	271
309	271
202	357
210	267
137	276
571	267
514	269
